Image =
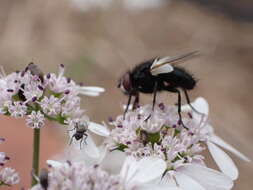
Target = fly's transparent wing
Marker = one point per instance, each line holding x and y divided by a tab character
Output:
164	65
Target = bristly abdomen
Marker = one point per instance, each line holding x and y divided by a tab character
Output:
180	78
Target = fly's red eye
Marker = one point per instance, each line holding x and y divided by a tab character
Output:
126	82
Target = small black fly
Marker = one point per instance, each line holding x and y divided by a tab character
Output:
157	75
80	134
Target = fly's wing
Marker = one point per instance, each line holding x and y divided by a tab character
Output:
160	66
164	65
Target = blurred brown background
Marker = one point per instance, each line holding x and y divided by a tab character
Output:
98	40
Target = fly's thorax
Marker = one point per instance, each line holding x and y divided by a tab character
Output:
82	127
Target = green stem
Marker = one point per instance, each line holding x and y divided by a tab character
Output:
36	154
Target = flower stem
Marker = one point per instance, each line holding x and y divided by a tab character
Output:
36	153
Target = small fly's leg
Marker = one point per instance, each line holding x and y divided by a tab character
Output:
128	103
136	101
179	108
154	100
71	129
71	140
81	141
86	136
189	102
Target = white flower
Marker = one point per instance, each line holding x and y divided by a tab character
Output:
9	176
8	87
58	84
17	109
33	88
142	174
160	136
8	83
51	105
134	175
180	148
224	162
39	97
3	158
84	149
35	120
62	84
88	150
71	107
198	177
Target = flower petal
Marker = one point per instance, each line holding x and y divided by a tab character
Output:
88	147
98	129
128	169
208	178
91	90
224	162
168	180
158	187
102	154
87	93
91	148
186	108
149	168
217	140
87	152
201	105
118	158
54	164
186	182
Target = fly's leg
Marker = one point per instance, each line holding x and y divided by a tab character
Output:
189	102
179	109
128	103
71	140
85	137
136	101
81	141
154	101
171	89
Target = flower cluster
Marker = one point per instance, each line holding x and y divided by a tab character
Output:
77	175
163	135
160	135
8	176
35	95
